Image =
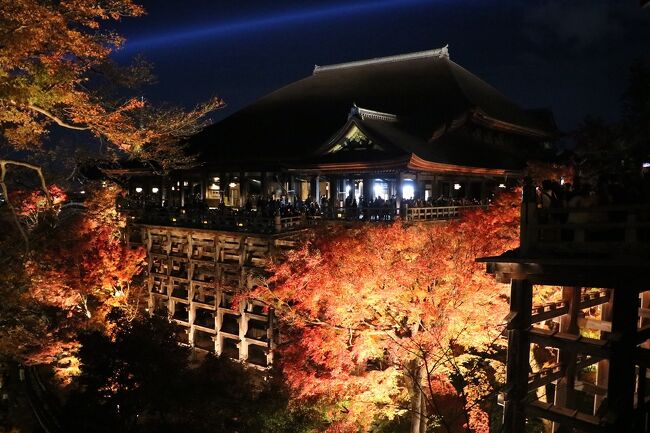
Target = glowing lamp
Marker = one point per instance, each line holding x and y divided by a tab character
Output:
457	186
408	192
214	187
215	179
205	221
502	185
138	190
82	192
378	189
154	190
173	219
646	165
232	184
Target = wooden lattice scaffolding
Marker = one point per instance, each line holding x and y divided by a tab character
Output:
596	331
193	276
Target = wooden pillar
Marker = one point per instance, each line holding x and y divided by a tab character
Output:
291	190
367	195
565	387
314	189
518	363
602	369
435	189
243	188
181	186
642	377
398	192
265	184
528	221
622	372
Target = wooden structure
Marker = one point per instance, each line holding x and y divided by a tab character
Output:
599	259
413	136
411	130
193	276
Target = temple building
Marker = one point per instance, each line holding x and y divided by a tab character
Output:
408	127
413	136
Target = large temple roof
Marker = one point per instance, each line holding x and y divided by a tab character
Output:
427	91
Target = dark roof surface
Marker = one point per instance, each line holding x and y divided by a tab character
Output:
425	90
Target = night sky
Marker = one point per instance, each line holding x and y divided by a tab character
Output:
569	55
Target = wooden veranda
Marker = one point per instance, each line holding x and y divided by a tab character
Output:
599	263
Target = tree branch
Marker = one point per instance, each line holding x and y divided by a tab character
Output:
57	119
50	116
5	192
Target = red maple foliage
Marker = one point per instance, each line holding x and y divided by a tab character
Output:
84	264
77	269
384	321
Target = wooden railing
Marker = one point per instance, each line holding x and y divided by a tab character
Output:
436	213
238	220
599	229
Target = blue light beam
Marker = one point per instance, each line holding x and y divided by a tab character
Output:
253	24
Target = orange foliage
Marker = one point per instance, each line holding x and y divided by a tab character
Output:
85	258
83	268
55	69
360	307
30	203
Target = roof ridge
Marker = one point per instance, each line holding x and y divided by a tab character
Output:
436	53
365	113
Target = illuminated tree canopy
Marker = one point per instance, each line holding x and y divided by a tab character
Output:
385	321
55	70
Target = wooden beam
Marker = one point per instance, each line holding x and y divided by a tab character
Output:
549	311
591	388
555	372
594	324
574	343
567	417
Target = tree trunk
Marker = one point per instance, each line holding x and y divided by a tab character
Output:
418	400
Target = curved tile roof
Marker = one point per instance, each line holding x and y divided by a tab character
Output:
425	90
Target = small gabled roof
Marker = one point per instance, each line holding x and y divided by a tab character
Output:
425	90
389	145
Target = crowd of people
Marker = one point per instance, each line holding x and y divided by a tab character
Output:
607	190
268	207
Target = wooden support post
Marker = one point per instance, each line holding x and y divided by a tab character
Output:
622	372
398	193
565	387
315	189
521	302
264	184
435	188
528	217
243	189
484	192
602	371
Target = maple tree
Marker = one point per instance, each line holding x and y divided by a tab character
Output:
385	321
65	266
77	269
55	69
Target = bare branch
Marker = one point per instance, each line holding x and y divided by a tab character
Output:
57	119
5	191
